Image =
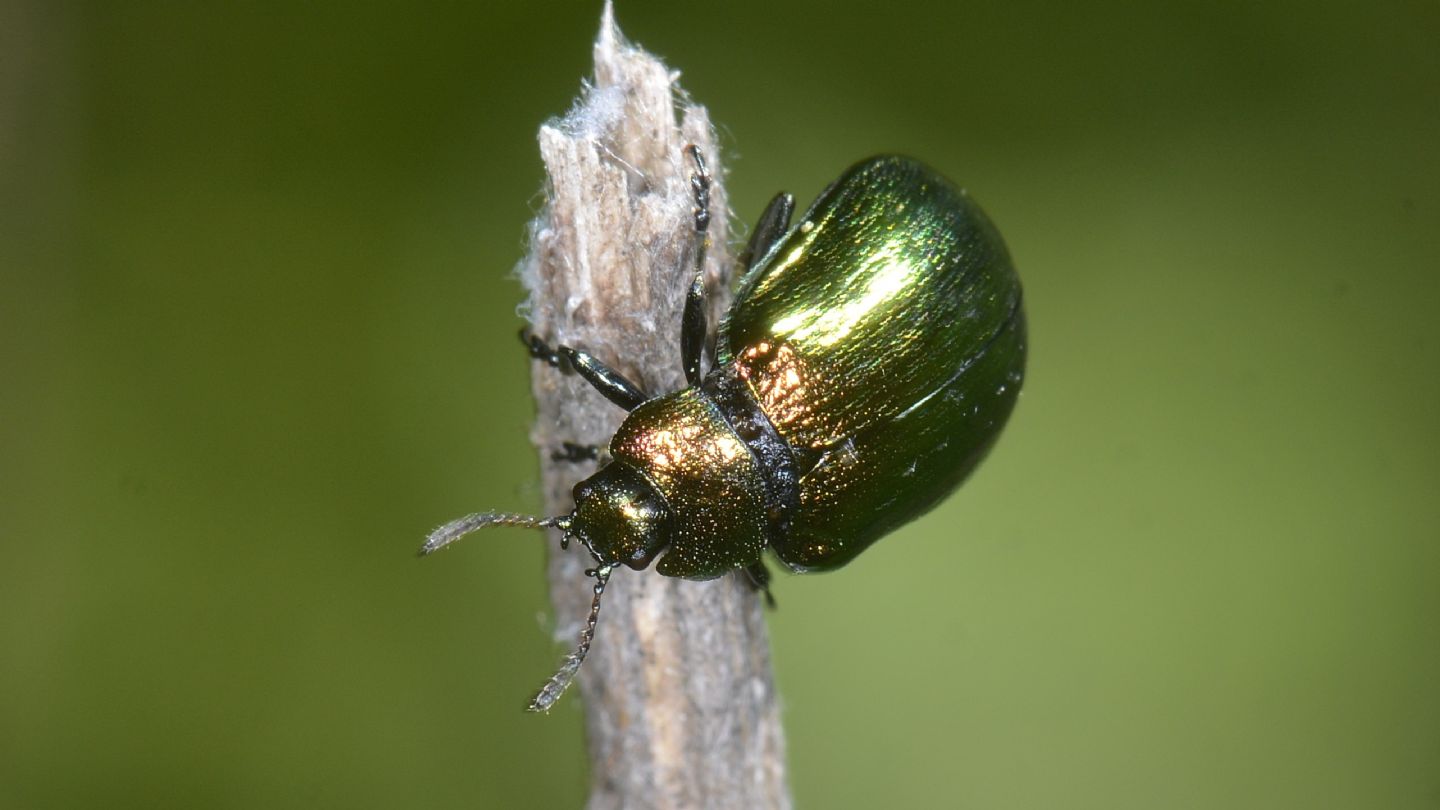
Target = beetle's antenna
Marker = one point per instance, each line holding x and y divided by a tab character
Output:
555	687
456	529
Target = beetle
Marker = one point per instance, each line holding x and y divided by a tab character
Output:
871	356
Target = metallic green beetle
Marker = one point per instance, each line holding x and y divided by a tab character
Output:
872	355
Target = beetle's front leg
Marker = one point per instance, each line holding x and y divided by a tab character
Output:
610	383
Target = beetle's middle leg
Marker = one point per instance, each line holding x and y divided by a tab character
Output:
693	326
773	224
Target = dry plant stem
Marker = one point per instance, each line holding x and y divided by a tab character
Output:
680	703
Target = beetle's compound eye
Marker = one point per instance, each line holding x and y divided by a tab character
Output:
620	517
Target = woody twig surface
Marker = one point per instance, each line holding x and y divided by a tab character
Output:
680	703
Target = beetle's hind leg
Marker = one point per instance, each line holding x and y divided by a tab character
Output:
759	578
610	383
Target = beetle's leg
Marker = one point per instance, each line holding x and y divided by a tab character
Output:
575	453
759	578
768	230
610	383
693	329
692	323
540	350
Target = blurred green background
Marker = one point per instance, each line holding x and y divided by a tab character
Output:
257	336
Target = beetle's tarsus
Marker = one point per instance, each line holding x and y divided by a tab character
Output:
700	187
540	350
576	453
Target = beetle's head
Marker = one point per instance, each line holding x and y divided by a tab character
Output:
620	517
